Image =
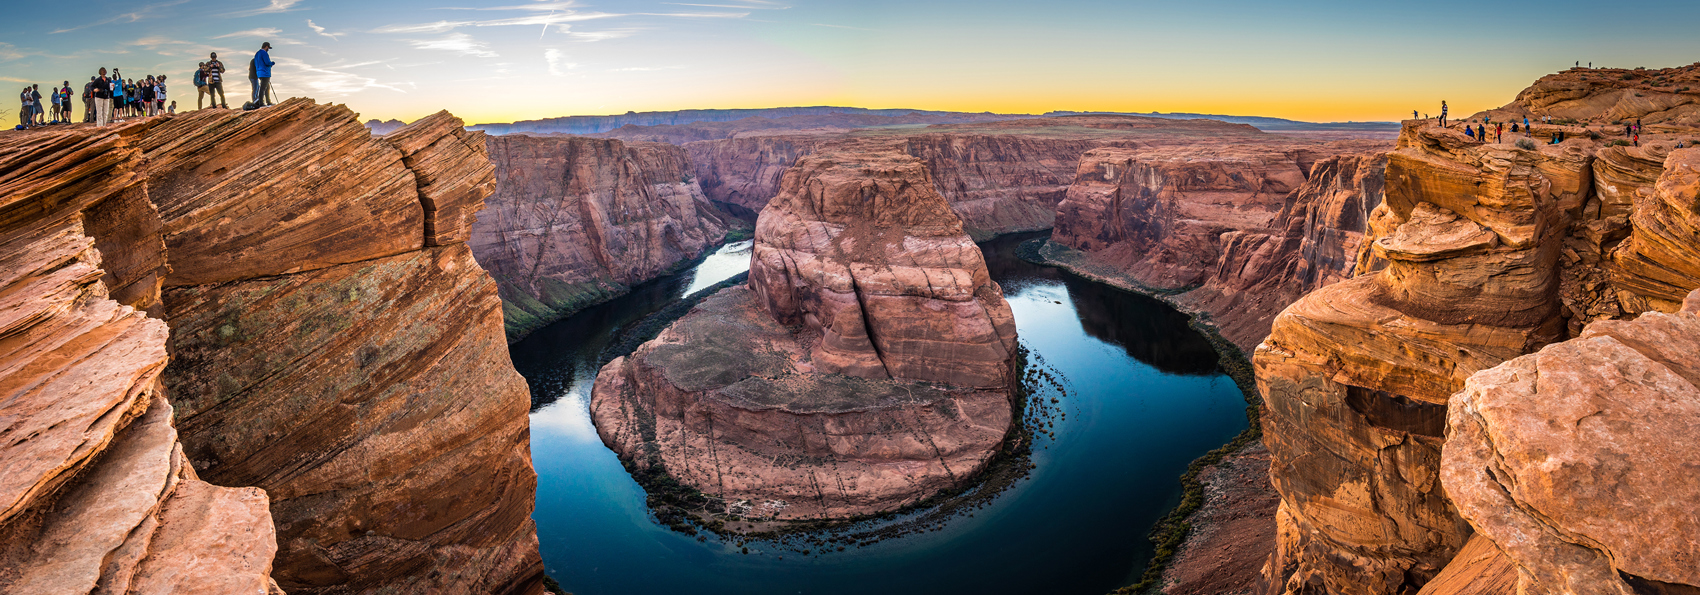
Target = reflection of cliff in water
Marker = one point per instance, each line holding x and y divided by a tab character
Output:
1149	330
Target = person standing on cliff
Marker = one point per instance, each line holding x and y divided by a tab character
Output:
263	73
1413	114
200	81
102	99
1481	133
1443	113
215	81
1499	133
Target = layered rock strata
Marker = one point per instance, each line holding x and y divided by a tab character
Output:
1565	459
1317	239
335	343
1384	425
1356	375
97	496
999	177
1241	229
575	221
868	365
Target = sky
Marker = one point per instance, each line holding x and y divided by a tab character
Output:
507	60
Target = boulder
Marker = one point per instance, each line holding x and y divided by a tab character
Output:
1564	458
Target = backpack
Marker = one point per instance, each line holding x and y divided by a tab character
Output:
200	78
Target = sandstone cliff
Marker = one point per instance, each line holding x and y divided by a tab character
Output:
575	221
999	177
1481	253
868	364
97	496
332	342
1240	227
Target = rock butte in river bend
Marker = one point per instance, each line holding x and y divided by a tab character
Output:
576	221
336	358
1413	446
867	365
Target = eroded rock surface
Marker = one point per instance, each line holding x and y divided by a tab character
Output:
335	343
1483	253
1565	458
575	221
999	177
868	364
97	496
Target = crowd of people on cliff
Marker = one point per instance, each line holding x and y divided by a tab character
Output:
1482	134
109	99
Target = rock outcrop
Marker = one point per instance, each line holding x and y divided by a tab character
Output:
576	221
1565	459
335	343
336	359
97	496
1410	448
868	365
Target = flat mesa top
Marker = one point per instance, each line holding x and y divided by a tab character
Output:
730	348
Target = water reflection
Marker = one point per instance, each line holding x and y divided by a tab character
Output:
1141	406
556	359
1143	326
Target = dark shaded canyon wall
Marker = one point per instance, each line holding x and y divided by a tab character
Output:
1239	230
334	342
1416	446
576	221
97	495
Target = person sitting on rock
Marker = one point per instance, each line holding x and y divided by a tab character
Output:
1470	132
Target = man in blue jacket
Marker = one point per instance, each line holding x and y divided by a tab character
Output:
263	71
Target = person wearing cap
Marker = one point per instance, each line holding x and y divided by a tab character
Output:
215	81
263	73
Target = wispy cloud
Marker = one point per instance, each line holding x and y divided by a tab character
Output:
271	7
595	36
542	19
646	68
262	32
9	52
745	4
319	30
145	12
558	64
459	43
840	27
333	79
538	7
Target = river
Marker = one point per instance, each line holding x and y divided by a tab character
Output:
1144	398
